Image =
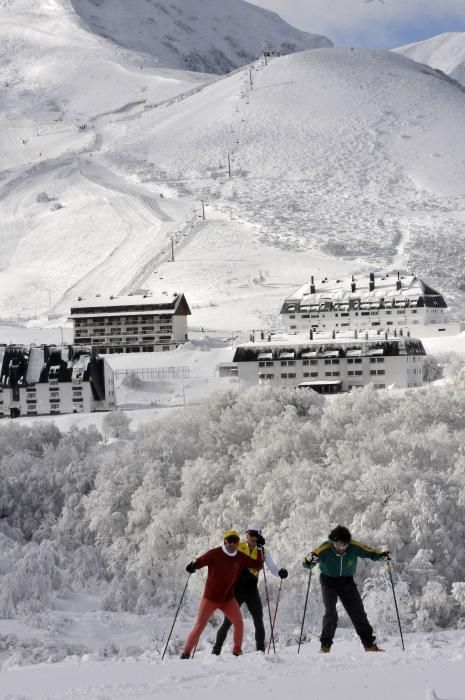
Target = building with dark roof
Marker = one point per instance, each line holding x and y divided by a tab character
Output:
133	323
330	364
386	302
47	380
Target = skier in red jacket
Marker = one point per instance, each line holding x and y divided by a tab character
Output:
225	565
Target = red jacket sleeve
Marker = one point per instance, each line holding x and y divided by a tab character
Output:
204	559
249	563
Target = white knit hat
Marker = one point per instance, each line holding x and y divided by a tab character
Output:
254	527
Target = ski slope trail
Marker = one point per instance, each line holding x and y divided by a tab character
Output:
421	673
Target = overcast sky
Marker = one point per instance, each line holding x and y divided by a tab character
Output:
375	23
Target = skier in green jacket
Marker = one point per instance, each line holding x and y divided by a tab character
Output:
337	558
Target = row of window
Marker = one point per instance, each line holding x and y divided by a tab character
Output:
356	313
333	361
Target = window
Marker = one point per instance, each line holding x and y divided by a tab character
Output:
289	363
358	372
335	374
314	374
291	375
380	386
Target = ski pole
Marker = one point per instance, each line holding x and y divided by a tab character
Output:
274	616
389	570
267	598
305	610
175	617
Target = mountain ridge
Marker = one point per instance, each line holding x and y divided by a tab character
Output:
213	36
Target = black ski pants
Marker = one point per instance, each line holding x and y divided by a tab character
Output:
248	595
344	588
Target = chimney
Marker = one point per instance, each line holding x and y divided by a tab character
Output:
353	286
386	335
399	282
334	334
401	332
372	281
251	338
269	337
408	334
312	285
395	332
356	334
262	335
311	334
366	335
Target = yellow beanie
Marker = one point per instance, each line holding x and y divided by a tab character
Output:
231	533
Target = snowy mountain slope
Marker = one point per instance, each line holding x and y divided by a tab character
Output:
352	153
214	36
342	161
445	52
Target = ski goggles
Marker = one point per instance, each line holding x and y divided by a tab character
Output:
232	539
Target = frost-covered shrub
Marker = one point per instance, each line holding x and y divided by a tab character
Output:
128	517
116	424
42	197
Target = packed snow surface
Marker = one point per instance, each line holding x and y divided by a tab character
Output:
445	52
432	668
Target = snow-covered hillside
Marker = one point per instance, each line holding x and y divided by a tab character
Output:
445	52
341	161
214	36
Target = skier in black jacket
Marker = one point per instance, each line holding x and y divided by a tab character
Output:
247	587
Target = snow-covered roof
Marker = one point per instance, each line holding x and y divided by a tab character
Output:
400	290
142	304
300	346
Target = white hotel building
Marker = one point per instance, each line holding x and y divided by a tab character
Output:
50	380
133	323
330	365
387	303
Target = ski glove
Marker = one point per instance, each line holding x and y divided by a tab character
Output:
190	568
309	563
385	556
260	541
282	573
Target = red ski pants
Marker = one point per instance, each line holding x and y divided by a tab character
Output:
207	607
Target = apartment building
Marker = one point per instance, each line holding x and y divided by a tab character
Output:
133	323
387	303
328	364
50	380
